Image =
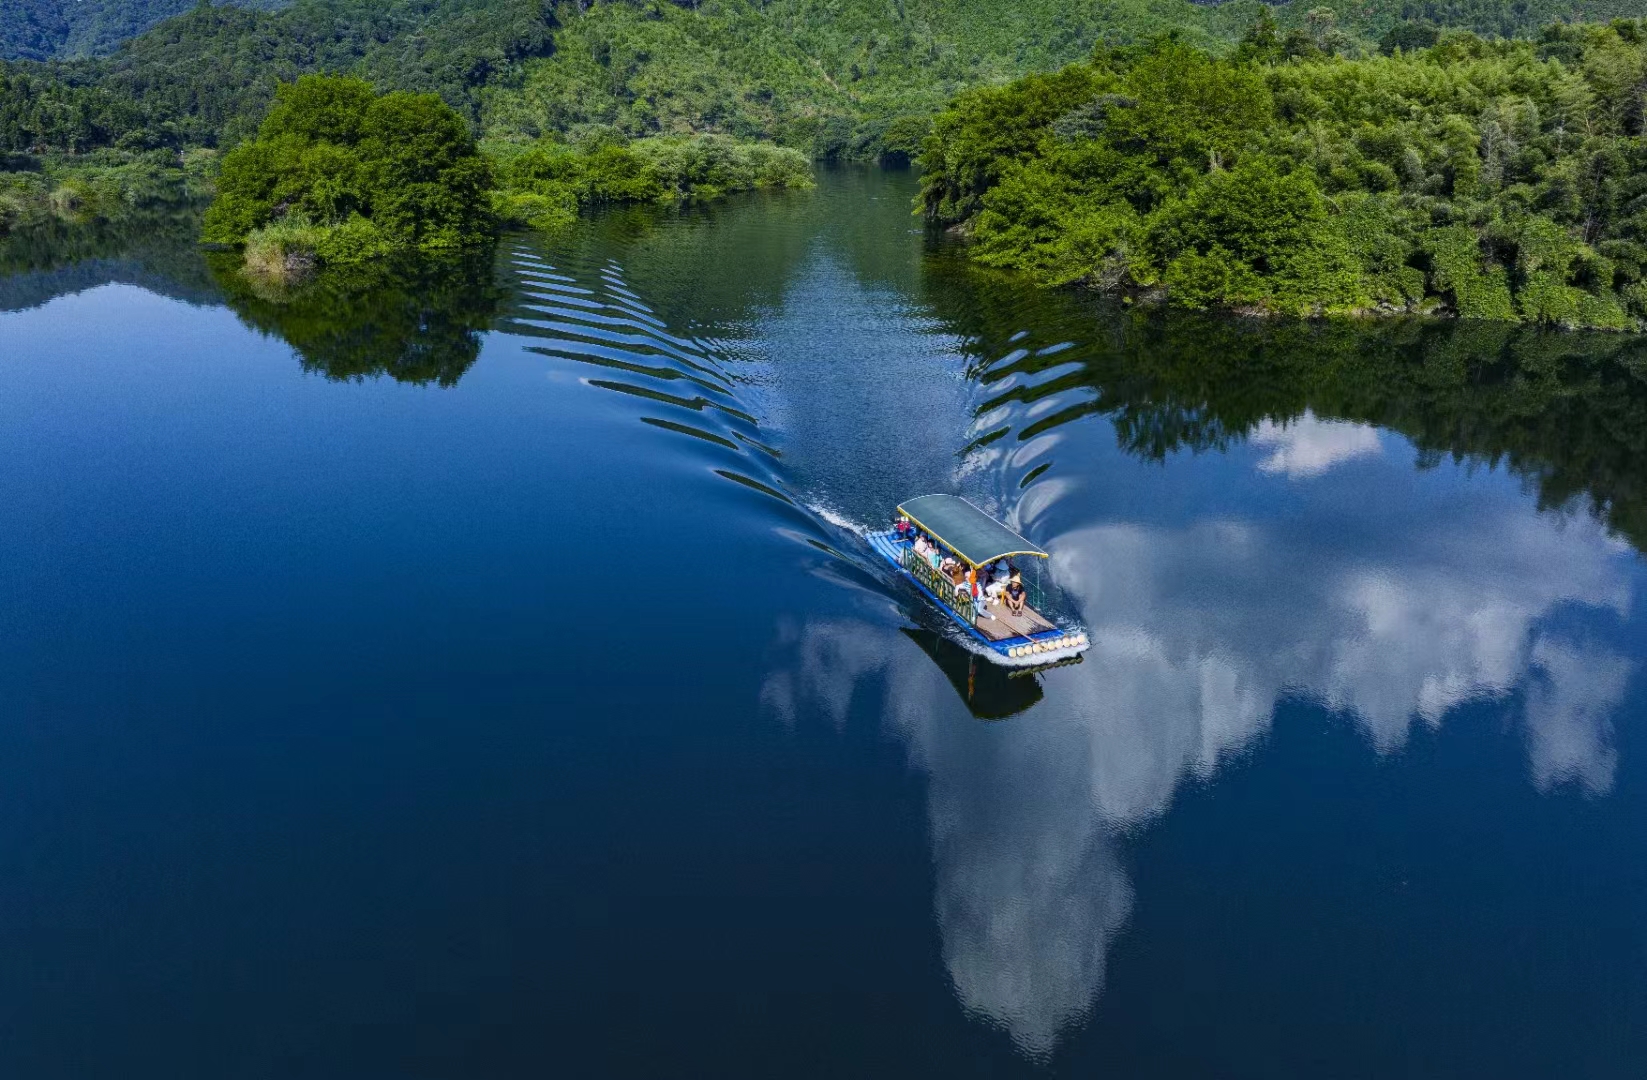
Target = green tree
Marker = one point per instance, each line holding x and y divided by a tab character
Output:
425	182
352	174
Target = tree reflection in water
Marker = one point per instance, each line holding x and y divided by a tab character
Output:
1565	410
414	319
157	251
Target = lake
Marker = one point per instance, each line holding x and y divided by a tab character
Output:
478	670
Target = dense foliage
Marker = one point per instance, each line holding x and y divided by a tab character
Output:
858	77
52	29
344	174
545	184
1502	180
842	77
338	174
829	78
206	76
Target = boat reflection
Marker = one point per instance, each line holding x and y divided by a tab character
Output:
989	691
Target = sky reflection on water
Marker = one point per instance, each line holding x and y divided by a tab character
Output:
1375	581
1337	576
1198	632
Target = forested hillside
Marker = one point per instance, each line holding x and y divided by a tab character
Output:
796	70
56	29
1500	180
206	76
826	76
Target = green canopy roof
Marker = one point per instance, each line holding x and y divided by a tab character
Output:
973	534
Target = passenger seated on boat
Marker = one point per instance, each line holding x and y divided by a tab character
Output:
922	547
1014	594
995	580
980	590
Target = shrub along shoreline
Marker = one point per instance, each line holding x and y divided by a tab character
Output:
1501	180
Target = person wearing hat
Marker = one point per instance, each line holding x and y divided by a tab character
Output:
1015	593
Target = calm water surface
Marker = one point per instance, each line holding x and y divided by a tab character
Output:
477	671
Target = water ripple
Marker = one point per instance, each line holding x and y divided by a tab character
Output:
591	315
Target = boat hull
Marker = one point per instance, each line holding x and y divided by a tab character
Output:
1034	650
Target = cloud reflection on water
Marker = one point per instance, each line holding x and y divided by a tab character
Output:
1197	632
1309	446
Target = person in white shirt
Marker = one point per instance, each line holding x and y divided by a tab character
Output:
997	580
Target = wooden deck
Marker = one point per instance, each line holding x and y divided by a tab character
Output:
1004	625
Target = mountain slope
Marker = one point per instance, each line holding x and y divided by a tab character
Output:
833	74
811	71
207	75
31	29
62	29
828	76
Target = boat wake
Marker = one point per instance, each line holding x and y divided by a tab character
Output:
587	317
704	386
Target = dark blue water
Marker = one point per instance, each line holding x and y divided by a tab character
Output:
479	672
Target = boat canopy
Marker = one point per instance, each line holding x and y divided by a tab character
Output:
967	530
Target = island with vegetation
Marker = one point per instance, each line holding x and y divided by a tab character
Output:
328	127
340	174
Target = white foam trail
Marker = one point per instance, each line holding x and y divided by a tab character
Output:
840	521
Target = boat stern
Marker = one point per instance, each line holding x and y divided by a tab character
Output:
1051	647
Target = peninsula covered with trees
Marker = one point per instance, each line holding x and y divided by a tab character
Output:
1502	180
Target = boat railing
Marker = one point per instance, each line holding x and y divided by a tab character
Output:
1033	590
939	585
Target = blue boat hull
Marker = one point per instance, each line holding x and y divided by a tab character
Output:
891	549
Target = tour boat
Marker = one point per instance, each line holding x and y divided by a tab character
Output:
978	541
